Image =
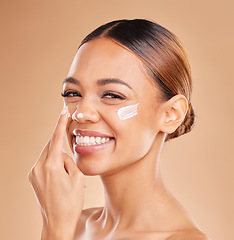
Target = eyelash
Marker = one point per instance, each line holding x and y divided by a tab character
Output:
107	93
113	95
69	92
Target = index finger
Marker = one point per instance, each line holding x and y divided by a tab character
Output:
57	140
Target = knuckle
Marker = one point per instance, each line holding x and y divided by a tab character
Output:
30	176
35	170
33	174
50	167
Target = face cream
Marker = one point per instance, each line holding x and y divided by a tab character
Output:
127	112
77	116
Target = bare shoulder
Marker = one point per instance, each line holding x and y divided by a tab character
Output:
189	235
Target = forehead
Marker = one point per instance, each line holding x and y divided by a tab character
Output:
103	58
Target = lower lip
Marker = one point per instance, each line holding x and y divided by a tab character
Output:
92	148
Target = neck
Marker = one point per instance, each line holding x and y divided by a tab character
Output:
133	193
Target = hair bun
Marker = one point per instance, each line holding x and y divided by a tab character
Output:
186	126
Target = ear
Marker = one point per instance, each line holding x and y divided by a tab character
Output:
173	113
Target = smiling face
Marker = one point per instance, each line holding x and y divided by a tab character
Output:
104	81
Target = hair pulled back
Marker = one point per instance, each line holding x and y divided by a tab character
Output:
161	54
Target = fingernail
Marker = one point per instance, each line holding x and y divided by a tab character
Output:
64	111
69	115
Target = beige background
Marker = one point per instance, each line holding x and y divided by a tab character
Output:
38	40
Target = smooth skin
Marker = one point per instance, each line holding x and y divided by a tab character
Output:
137	203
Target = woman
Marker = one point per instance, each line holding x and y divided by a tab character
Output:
127	92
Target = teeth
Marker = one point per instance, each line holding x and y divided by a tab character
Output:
92	140
87	141
79	139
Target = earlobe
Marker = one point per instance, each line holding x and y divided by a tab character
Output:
174	111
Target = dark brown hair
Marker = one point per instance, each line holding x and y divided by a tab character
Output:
162	55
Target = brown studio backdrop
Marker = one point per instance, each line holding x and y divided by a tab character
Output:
38	42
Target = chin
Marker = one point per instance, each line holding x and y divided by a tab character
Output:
89	165
89	171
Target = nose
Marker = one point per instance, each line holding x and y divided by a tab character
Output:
86	114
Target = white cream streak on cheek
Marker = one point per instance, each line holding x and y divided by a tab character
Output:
127	112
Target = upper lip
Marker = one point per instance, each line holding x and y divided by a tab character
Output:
89	133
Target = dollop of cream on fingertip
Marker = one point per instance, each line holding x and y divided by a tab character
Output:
127	112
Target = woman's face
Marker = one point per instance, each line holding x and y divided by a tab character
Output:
114	108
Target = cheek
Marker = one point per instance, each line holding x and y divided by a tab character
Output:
137	129
130	119
127	112
71	107
121	118
132	128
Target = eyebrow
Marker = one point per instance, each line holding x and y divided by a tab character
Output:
100	82
71	80
106	81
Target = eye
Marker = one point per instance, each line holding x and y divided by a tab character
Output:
70	93
111	95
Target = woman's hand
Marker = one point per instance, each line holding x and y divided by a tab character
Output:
59	186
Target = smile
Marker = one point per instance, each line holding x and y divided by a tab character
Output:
87	142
